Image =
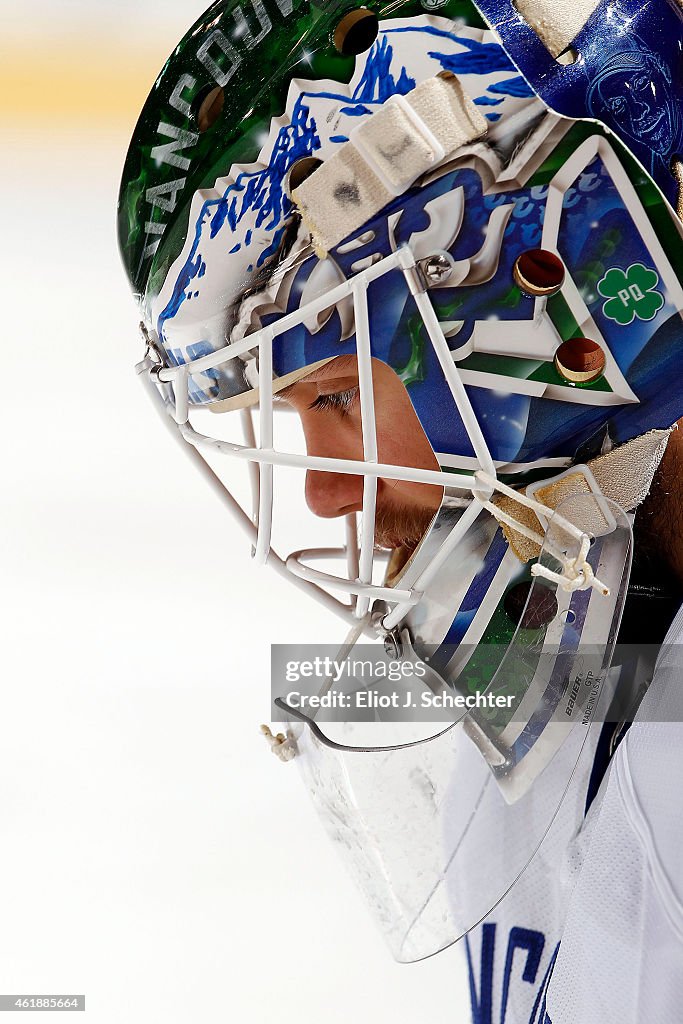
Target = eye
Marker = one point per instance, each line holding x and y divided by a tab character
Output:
339	401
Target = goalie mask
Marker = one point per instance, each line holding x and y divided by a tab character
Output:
375	198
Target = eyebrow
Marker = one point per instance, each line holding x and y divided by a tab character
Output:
281	396
342	364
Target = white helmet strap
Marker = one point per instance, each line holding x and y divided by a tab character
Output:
386	154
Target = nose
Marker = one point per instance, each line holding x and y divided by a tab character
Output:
641	108
639	105
333	494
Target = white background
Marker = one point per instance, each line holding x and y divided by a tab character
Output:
153	853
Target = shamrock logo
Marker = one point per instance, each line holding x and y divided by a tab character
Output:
630	294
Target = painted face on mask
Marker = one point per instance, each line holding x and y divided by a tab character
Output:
632	96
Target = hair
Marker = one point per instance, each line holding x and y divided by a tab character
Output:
658	530
404	526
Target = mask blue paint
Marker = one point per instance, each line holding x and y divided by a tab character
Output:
628	75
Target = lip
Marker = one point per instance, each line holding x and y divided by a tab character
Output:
648	127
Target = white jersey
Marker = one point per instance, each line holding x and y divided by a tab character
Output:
592	933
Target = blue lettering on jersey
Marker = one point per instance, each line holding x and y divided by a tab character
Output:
526	939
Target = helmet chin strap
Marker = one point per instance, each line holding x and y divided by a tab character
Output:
576	573
622	475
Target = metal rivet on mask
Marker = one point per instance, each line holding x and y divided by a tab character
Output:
393	648
540	611
580	360
356	32
436	268
538	272
207	106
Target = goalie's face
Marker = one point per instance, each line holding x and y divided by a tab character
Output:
328	402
